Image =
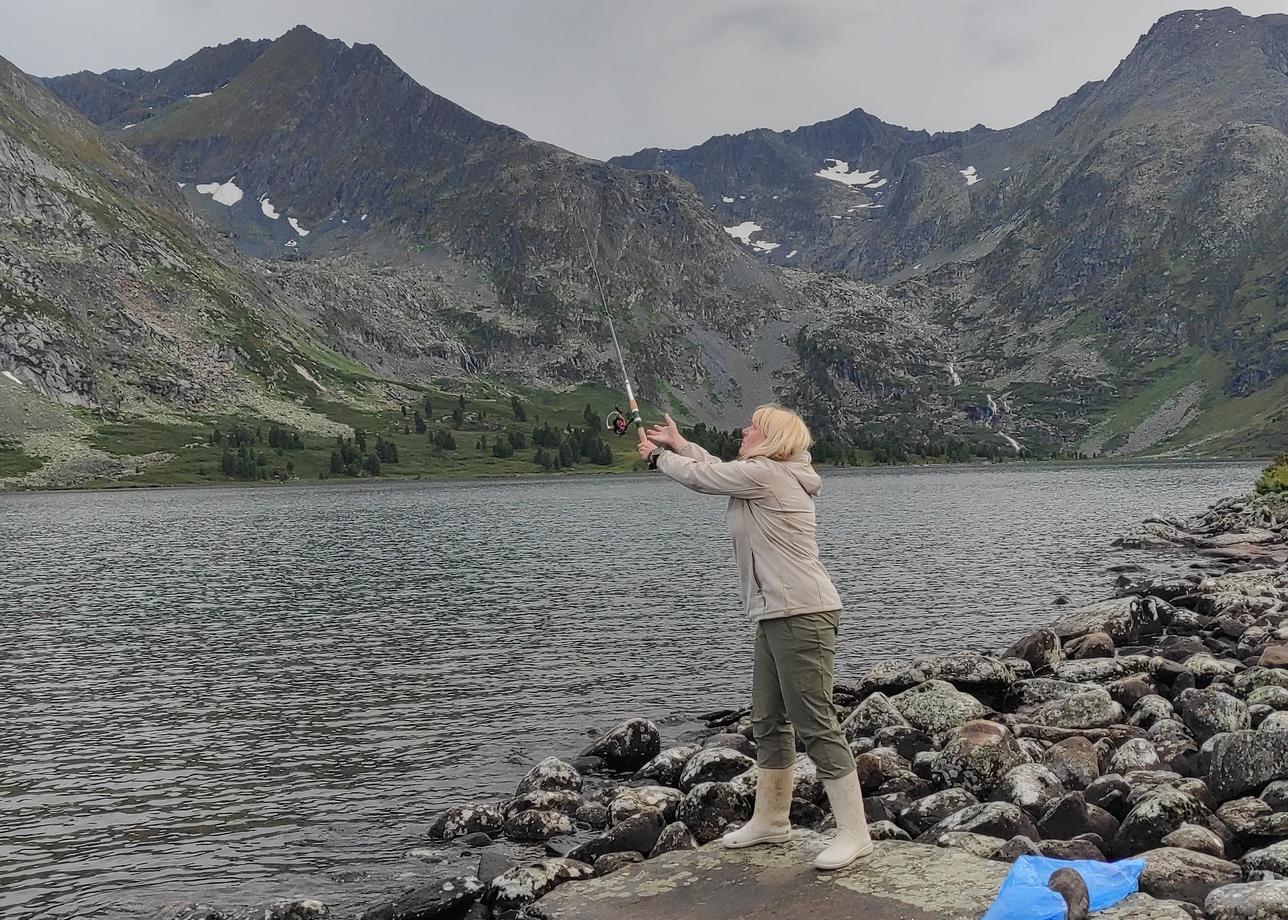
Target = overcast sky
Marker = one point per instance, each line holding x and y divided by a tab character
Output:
604	77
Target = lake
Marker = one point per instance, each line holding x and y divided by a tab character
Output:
232	695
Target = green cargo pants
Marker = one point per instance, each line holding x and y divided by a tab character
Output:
792	688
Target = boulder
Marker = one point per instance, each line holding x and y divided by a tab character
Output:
1135	754
1016	847
536	825
907	741
627	747
1245	761
1265	830
887	830
709	808
1092	645
937	706
874	713
310	909
1150	710
643	798
1248	901
1043	690
675	836
467	819
1273	858
1274	697
977	756
1239	814
1031	786
733	740
1211	712
1123	619
1074	762
1086	709
549	775
929	810
611	862
1128	691
558	800
973	672
1109	792
890	676
1078	848
1178	874
714	765
1276	795
639	833
1197	838
1102	670
995	819
448	899
1207	668
1274	656
981	845
1040	649
523	885
1154	817
593	815
666	767
1070	816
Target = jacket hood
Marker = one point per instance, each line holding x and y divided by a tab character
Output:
799	466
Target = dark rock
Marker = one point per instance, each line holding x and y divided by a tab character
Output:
1040	649
805	814
977	756
561	801
714	765
593	815
642	798
1178	874
1068	884
1016	847
1211	712
536	825
1031	786
1150	710
1245	761
739	743
666	767
1153	818
926	812
870	716
1081	848
1074	762
1197	838
906	741
549	775
994	819
1070	816
611	862
1276	795
445	899
467	819
627	747
493	864
1136	754
524	884
187	910
1092	645
638	833
297	909
587	764
887	830
1110	793
675	836
561	846
1128	691
709	808
876	766
476	840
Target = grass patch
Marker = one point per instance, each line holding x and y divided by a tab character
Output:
14	461
1274	479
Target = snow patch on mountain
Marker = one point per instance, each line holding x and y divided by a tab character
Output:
839	171
226	193
969	175
295	225
198	95
743	231
727	199
267	207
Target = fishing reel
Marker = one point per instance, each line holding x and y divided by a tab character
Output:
618	422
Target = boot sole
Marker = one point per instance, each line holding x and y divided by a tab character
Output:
855	858
778	838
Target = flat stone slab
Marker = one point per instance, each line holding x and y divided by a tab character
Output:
899	881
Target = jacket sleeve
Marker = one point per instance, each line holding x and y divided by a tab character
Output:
736	478
695	451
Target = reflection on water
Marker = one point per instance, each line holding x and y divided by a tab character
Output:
233	695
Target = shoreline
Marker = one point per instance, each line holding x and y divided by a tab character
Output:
1090	738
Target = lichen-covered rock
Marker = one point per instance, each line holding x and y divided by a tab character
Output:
1150	710
1140	906
981	845
523	885
1197	838
1245	761
1078	848
1276	795
666	767
709	808
1041	649
994	819
973	672
1208	667
555	800
1256	677
1184	875
1239	814
1102	670
1109	792
1274	697
536	825
1164	810
1211	712
627	747
611	862
1070	816
890	676
1088	709
1248	901
638	833
937	706
1032	786
977	756
714	765
448	898
1273	858
640	798
549	775
874	713
310	909
887	830
1074	761
1124	619
926	812
675	836
1135	754
467	819
593	815
1043	690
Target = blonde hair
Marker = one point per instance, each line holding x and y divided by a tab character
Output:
786	433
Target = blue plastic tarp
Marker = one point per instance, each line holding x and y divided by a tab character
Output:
1025	896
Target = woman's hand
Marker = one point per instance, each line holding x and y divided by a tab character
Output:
667	435
646	447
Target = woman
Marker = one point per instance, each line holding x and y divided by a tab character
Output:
788	595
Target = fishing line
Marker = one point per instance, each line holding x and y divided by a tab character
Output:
617	421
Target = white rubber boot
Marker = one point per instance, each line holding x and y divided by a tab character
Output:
771	820
852	840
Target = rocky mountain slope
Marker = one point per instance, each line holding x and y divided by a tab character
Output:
1108	269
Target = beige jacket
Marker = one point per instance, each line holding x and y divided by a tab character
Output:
771	518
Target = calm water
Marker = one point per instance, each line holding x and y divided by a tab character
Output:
234	695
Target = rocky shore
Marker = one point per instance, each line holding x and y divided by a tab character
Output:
1150	724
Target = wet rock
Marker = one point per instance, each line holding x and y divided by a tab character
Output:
549	775
1016	847
493	864
523	885
467	819
926	812
560	800
981	845
1087	709
611	862
709	808
936	706
1069	885
476	840
1031	786
1041	649
675	836
666	767
593	815
1124	619
1079	848
1110	793
714	765
187	910
445	899
1074	761
1184	875
639	833
536	825
887	830
871	715
1092	645
627	747
1197	838
642	798
1136	754
1070	816
977	756
1164	810
995	819
304	908
1248	901
1245	761
1211	712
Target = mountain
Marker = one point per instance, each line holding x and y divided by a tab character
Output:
1108	271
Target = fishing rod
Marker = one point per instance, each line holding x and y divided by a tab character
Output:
617	422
